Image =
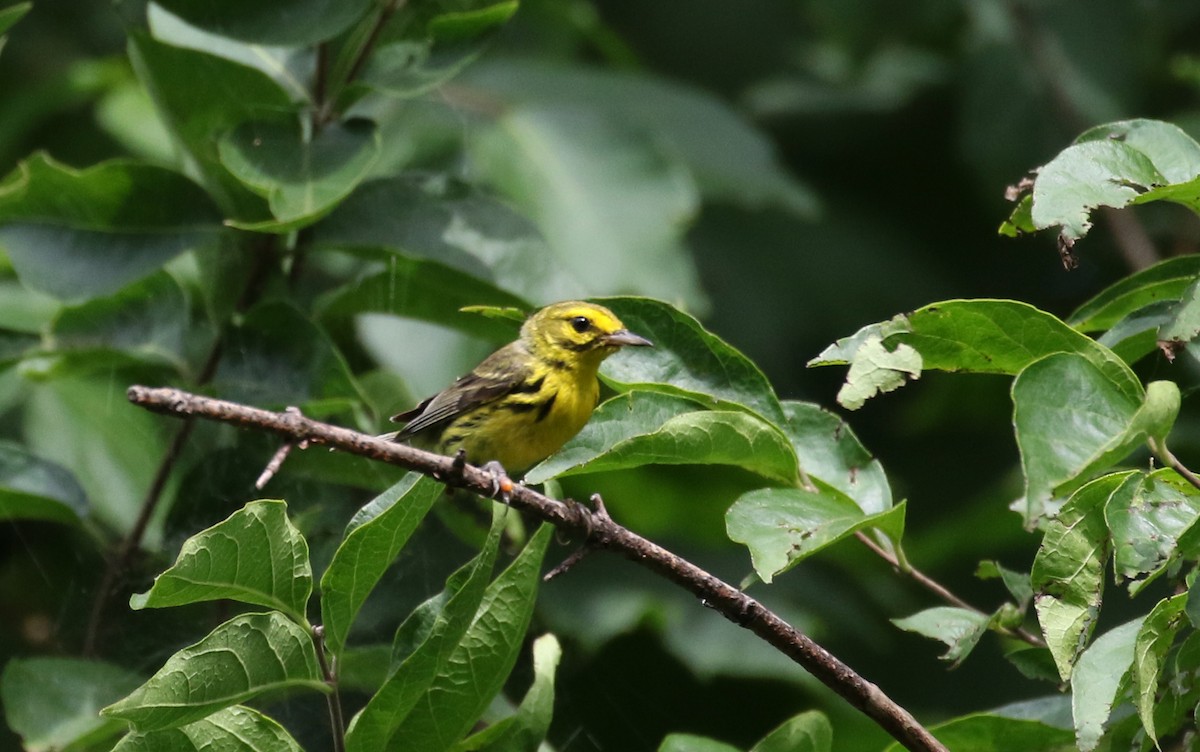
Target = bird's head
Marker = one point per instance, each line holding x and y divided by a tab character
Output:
574	331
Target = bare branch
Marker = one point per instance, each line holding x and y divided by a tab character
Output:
598	531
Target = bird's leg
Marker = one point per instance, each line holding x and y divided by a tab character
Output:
502	485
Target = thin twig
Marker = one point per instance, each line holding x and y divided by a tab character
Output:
337	721
941	590
599	530
1165	454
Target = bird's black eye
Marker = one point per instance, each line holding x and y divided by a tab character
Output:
581	324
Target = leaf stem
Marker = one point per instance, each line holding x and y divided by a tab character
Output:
1170	460
333	699
941	590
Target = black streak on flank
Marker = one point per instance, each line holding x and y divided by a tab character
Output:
546	406
530	387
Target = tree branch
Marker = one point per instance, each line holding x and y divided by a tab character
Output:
598	530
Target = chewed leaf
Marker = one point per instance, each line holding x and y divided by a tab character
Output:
958	628
1154	639
828	449
875	370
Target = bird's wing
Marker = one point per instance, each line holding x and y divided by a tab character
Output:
503	372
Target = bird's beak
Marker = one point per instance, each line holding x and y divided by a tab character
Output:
626	338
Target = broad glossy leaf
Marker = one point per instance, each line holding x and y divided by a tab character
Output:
1166	280
640	428
53	703
373	538
78	234
958	628
782	526
148	319
1068	571
686	360
279	357
235	729
1071	421
477	669
423	643
418	289
806	732
255	556
731	160
1097	678
525	729
612	202
280	22
32	488
828	449
201	97
111	446
996	733
301	178
1154	639
241	659
1146	517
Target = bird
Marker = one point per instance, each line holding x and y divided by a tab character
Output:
527	399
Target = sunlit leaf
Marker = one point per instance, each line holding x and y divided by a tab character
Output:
255	556
806	732
692	743
876	370
828	449
958	628
1147	519
53	703
1154	639
242	658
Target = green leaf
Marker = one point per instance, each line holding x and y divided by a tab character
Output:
423	644
686	360
829	450
112	447
281	22
692	743
446	220
242	658
422	290
598	190
1020	222
1183	324
1097	678
994	733
1118	164
1154	639
958	628
279	357
806	732
782	526
13	13
476	670
373	538
32	488
1017	583
24	310
1165	281
255	556
1071	421
525	729
876	370
423	47
731	159
237	729
303	179
1068	571
640	428
1147	516
78	234
147	320
52	703
192	91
